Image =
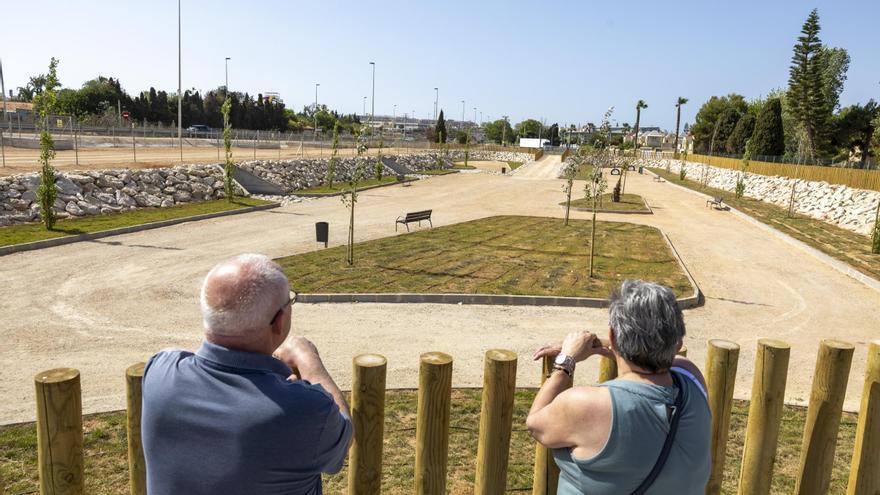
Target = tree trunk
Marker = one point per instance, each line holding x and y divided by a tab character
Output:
568	202
351	235
593	236
677	122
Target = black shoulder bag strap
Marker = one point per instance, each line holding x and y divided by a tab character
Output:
670	437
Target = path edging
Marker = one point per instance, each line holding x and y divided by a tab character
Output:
616	212
838	265
70	239
692	301
340	193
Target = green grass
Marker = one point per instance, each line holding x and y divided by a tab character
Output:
18	234
107	469
841	244
496	255
514	165
628	202
343	186
459	165
439	171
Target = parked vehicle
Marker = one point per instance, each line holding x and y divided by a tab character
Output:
533	142
198	128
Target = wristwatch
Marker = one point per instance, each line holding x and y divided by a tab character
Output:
565	363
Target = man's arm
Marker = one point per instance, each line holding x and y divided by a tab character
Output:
302	355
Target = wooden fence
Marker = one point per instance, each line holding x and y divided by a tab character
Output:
60	430
852	177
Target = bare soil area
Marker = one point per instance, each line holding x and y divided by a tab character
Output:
101	306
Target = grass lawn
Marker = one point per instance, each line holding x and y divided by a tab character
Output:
842	244
439	171
18	234
514	165
628	202
342	186
496	255
107	468
459	165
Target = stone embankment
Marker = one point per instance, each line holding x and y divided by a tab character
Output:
846	207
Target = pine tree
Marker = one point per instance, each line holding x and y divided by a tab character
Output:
724	127
806	86
736	143
441	128
768	138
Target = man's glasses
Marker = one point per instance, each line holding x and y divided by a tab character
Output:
291	299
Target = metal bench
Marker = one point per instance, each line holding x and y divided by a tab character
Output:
716	202
657	178
416	216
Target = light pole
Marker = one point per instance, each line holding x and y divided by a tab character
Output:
179	88
436	100
462	115
316	110
394	119
475	115
226	87
373	98
365	107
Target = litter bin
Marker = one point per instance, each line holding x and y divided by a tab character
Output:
322	232
641	170
503	170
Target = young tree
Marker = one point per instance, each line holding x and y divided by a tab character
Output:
467	146
681	101
441	128
806	88
639	106
875	238
228	167
768	138
45	104
741	179
349	196
736	143
569	172
331	165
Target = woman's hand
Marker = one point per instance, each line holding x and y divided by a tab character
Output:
582	344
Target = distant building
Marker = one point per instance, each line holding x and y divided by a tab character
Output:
17	107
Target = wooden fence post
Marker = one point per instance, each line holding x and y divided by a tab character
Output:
546	474
368	418
864	474
765	411
137	469
607	369
722	358
59	431
823	416
432	423
496	421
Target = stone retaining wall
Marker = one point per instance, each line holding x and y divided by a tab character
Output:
845	207
499	156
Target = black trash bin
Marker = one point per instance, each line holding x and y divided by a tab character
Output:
322	232
503	170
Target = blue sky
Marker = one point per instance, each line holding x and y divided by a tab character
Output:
563	61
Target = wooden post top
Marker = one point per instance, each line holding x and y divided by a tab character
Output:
56	375
500	355
136	369
724	344
774	343
436	358
837	344
369	360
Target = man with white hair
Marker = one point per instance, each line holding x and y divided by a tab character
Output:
252	411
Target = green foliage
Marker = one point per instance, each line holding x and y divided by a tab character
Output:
834	63
569	173
228	167
529	128
736	143
682	171
460	137
724	127
768	138
741	180
499	131
806	86
350	195
854	127
441	128
45	104
678	103
704	123
331	166
875	238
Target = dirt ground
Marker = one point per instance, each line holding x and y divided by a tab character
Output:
20	160
100	306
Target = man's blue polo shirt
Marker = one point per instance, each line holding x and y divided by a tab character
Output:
228	421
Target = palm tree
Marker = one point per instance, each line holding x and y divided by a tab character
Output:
681	101
639	106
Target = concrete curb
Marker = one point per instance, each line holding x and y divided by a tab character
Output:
692	301
360	190
70	239
838	265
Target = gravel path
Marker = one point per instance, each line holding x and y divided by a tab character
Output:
100	306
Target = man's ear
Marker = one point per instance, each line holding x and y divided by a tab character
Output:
278	322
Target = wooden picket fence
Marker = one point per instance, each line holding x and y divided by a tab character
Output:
852	177
60	430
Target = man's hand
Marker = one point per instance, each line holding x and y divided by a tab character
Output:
301	355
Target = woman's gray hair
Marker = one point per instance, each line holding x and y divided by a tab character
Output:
242	294
647	324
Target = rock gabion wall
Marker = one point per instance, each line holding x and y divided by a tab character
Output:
845	207
500	156
97	192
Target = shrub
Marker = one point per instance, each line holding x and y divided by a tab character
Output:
682	172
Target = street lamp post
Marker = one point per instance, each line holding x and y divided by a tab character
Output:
316	110
475	115
179	88
226	87
462	115
365	107
436	100
373	98
394	120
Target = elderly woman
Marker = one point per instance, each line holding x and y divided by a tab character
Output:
646	431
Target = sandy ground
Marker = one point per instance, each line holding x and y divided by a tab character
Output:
19	160
101	306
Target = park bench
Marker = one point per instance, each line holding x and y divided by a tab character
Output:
416	216
716	202
657	178
631	168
